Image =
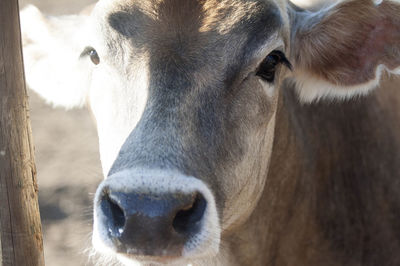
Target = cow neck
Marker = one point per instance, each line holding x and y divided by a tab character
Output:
331	195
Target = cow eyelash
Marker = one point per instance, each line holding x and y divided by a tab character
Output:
92	53
268	66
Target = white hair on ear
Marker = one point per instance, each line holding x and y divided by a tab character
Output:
395	71
311	89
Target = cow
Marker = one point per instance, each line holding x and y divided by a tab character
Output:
234	132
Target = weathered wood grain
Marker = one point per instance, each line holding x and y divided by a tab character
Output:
20	229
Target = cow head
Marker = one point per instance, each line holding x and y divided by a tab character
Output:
185	93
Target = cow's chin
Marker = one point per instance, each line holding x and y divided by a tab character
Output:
202	245
108	257
128	260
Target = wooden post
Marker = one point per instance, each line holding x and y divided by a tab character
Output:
20	229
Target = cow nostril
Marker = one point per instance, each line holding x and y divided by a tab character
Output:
187	221
116	216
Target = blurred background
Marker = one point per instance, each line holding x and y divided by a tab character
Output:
68	164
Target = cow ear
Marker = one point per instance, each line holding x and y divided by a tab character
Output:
52	48
344	49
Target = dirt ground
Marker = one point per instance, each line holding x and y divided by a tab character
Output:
68	166
68	173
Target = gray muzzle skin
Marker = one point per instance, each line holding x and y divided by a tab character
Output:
155	214
151	224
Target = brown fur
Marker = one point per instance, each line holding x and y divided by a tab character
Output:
332	192
217	17
346	46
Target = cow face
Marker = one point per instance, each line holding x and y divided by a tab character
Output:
192	101
185	94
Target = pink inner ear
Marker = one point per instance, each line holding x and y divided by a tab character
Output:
346	47
378	49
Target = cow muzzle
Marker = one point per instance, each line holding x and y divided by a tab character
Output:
155	216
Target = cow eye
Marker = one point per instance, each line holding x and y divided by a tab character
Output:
94	57
92	53
268	66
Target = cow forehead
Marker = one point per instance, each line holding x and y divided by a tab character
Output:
206	15
220	15
190	25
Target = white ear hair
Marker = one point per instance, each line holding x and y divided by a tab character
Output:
52	47
311	89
